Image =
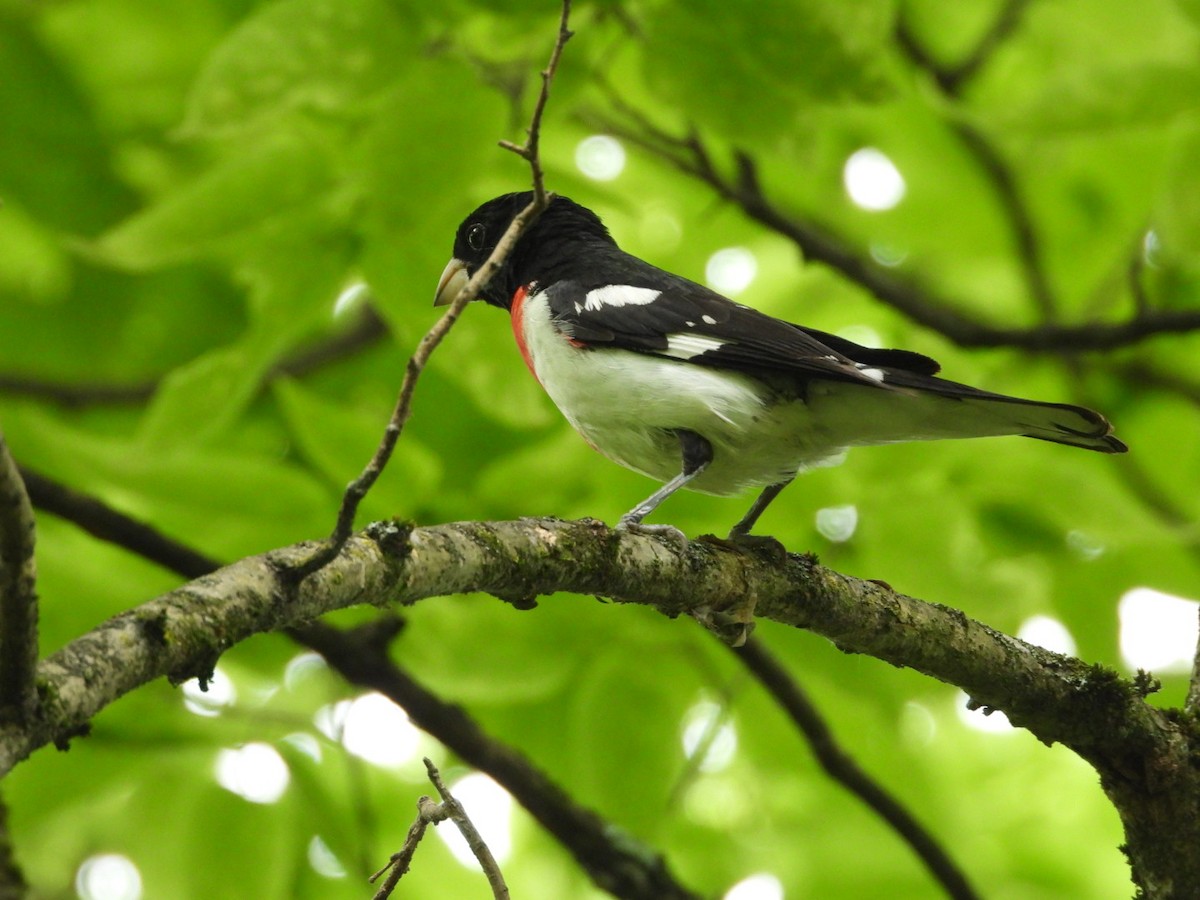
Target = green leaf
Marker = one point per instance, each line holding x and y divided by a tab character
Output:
752	68
338	439
324	56
238	200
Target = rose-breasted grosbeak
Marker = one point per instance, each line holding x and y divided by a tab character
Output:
670	379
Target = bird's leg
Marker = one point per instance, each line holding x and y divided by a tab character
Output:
734	624
741	530
697	453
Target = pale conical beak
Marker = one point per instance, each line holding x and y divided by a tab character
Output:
454	278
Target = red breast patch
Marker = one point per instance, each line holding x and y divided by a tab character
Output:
517	309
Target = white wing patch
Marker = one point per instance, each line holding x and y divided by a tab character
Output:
872	373
619	295
686	346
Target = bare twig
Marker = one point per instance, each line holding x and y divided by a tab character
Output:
952	78
368	330
843	769
529	152
18	592
615	862
357	489
397	867
470	833
1019	217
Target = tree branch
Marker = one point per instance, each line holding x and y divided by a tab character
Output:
841	767
614	861
181	633
18	593
952	78
1008	193
905	293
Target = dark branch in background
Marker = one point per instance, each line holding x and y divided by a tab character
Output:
906	293
358	488
102	521
1003	181
787	692
615	862
12	879
953	78
1009	195
368	330
1144	374
428	813
18	593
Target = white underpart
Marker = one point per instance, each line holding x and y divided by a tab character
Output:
619	295
627	404
685	346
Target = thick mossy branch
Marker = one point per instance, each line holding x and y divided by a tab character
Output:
181	634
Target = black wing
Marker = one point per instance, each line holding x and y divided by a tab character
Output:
657	313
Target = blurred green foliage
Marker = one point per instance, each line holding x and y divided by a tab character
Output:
187	189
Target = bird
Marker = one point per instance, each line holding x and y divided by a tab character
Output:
671	379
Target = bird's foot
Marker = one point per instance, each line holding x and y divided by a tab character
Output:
668	533
762	544
733	626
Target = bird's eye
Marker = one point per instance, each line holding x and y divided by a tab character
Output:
475	235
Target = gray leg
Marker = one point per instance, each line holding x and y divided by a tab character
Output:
697	453
769	493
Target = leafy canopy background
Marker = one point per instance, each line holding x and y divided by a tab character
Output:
188	187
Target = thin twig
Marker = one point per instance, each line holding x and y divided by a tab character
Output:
470	833
428	813
18	592
615	862
952	78
358	488
529	152
1019	217
843	769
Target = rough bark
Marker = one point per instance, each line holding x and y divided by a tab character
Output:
1143	754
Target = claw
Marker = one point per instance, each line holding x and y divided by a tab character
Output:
668	533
